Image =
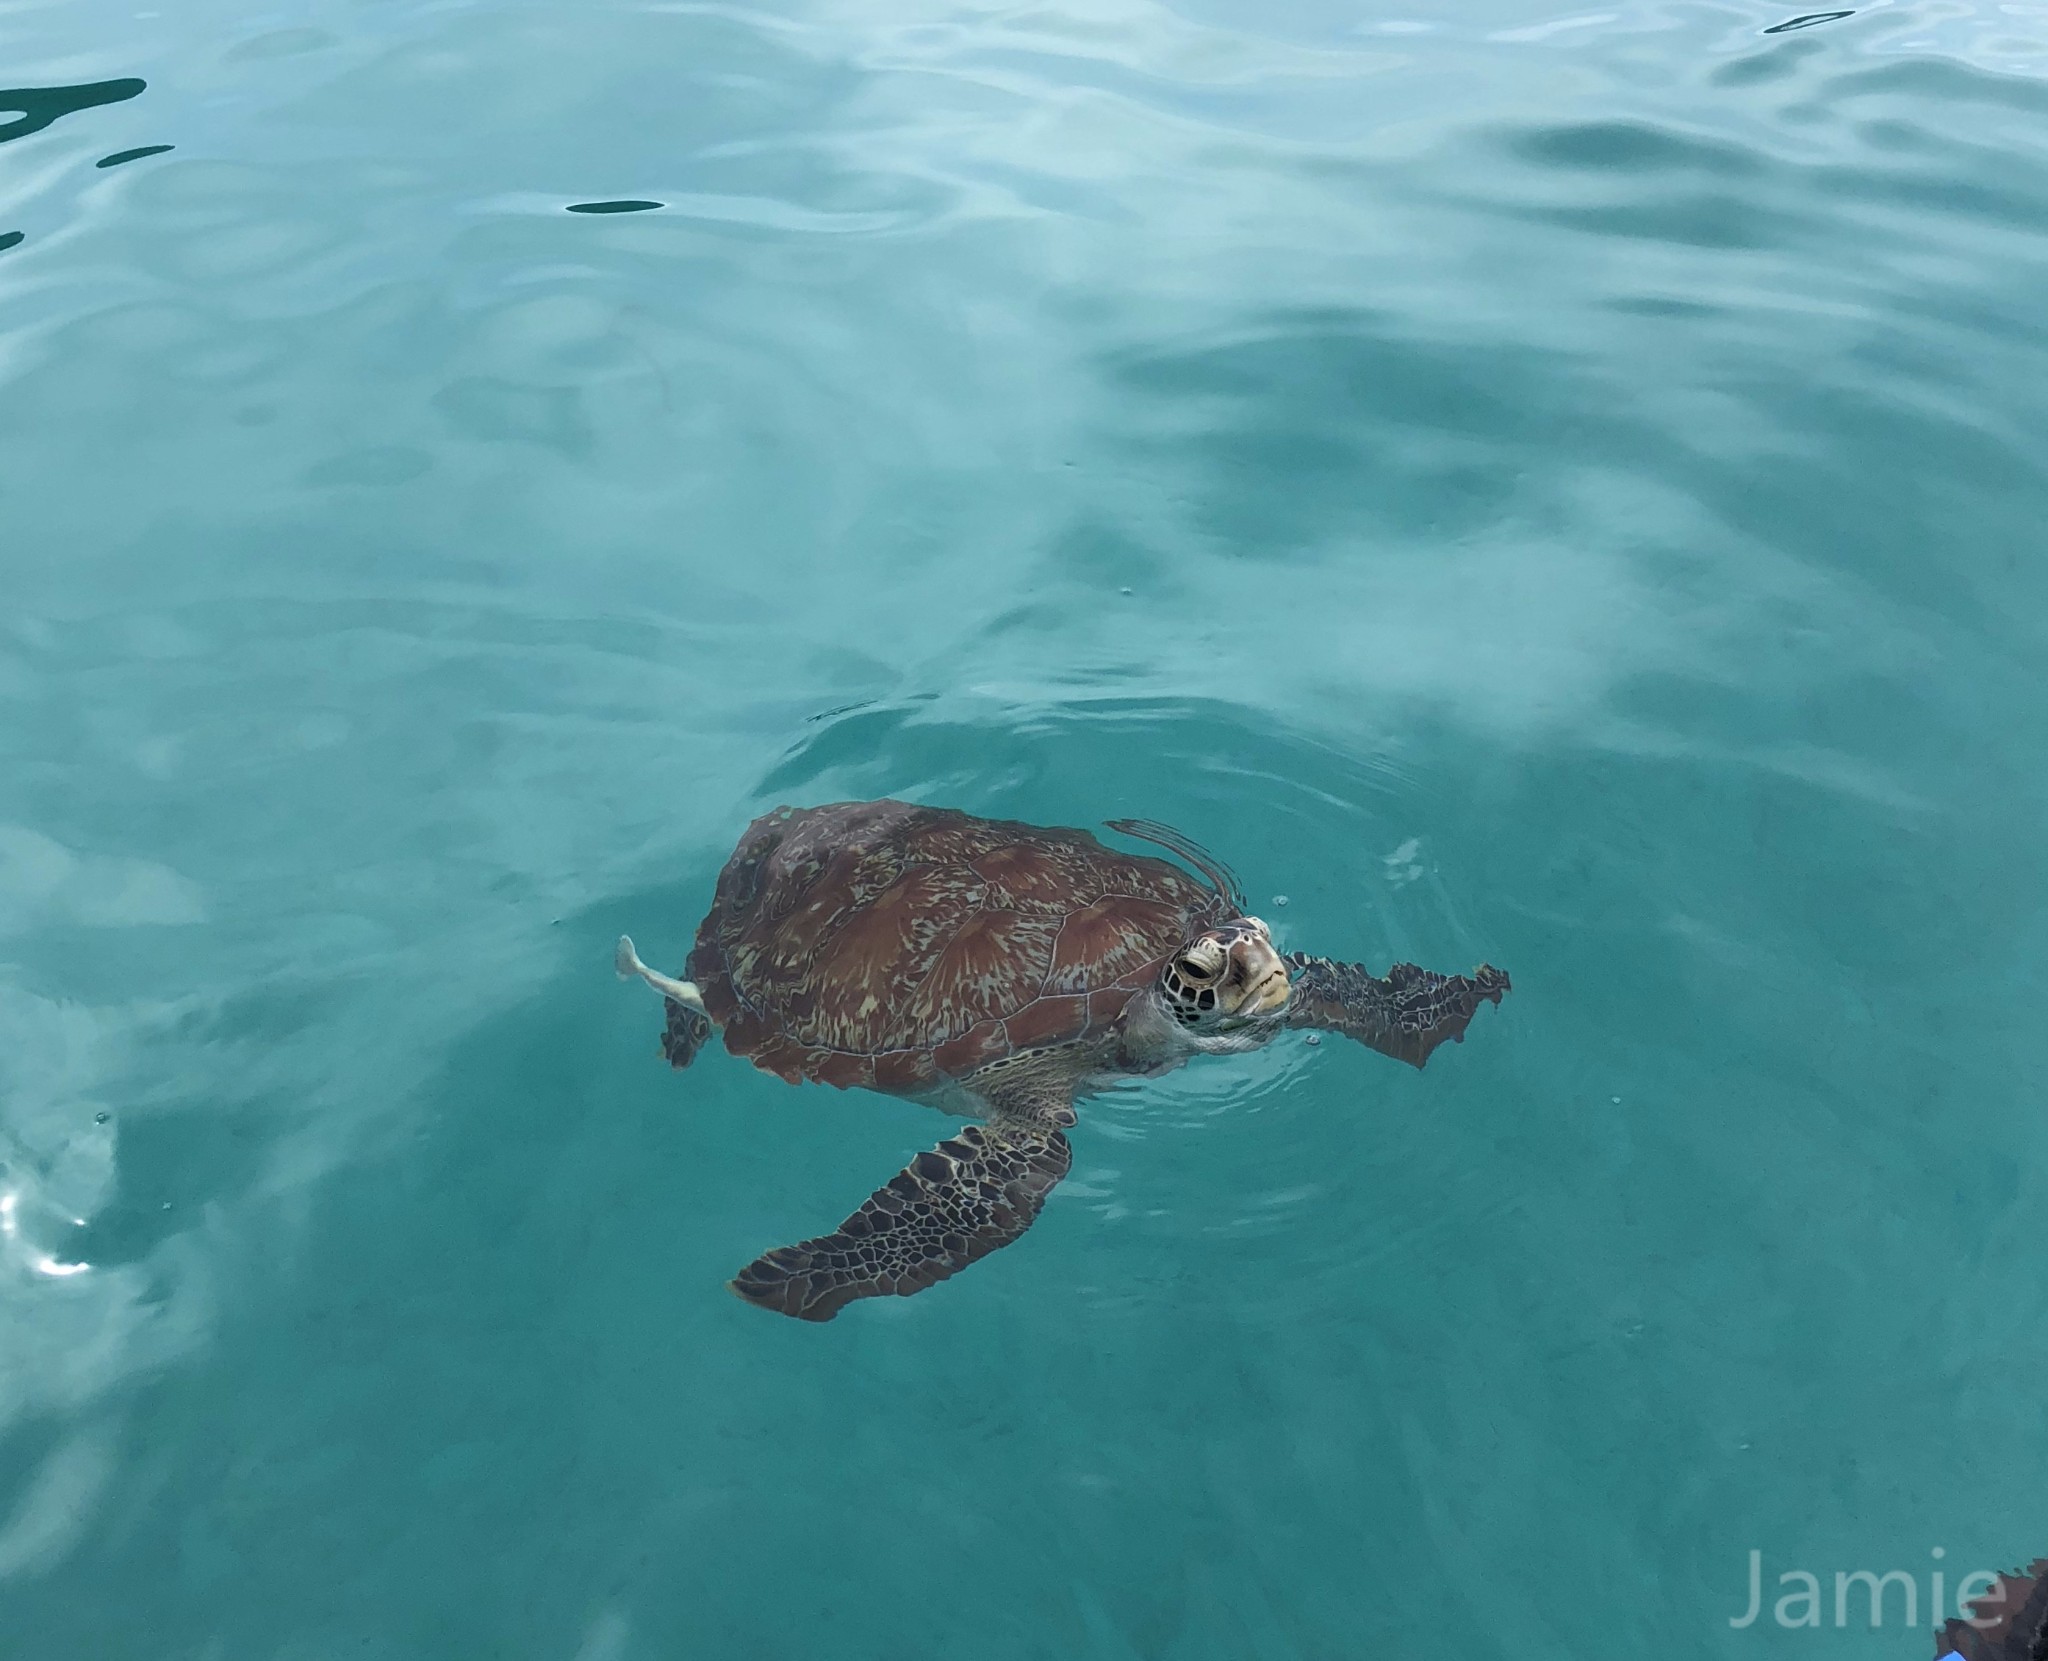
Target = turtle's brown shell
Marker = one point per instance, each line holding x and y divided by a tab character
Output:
894	946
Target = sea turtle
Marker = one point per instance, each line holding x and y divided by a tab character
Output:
998	971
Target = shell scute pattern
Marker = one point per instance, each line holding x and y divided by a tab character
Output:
904	1072
1046	878
1101	942
1106	1007
976	977
976	1048
1045	1021
885	945
860	978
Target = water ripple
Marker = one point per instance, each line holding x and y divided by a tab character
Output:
1559	488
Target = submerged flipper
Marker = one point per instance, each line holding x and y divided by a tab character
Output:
959	1201
688	1024
1406	1015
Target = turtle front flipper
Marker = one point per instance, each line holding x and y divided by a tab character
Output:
959	1201
1406	1015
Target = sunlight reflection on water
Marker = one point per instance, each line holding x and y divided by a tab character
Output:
1560	490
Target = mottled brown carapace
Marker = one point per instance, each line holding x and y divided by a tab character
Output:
1002	972
897	947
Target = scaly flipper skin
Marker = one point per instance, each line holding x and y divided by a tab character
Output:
1406	1015
959	1201
684	1034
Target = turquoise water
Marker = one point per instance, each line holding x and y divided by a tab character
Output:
1558	488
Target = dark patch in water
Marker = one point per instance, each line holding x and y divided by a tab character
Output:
842	709
8	239
612	207
1808	21
119	156
37	107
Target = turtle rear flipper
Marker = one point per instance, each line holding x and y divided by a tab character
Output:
683	1033
948	1206
1406	1015
688	1025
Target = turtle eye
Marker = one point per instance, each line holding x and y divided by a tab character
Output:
1201	964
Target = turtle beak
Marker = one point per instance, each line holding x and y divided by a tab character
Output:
1265	979
1269	995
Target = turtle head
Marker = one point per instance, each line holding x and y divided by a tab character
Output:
1224	977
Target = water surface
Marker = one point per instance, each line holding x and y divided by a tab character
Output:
1556	489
